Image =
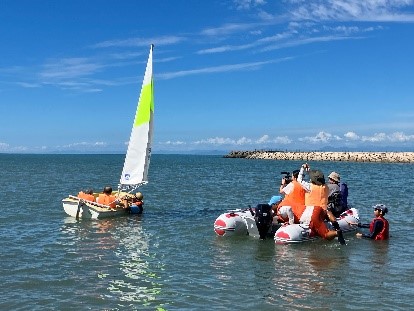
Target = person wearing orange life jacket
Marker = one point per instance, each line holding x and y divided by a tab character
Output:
106	197
293	191
87	195
294	199
379	226
316	201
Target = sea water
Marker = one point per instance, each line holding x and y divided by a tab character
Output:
170	258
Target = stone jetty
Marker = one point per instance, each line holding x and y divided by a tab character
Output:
385	157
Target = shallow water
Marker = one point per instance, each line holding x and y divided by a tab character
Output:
171	259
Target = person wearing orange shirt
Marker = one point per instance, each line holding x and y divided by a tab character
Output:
106	197
87	195
316	201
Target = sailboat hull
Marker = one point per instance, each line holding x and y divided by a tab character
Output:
89	211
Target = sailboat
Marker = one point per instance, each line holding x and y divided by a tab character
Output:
135	170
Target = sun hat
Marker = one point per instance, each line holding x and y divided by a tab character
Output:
275	199
381	207
334	176
317	177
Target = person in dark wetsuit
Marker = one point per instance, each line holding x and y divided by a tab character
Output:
379	227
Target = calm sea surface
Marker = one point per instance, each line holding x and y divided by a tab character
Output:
171	259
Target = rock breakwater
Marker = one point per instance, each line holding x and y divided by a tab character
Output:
390	157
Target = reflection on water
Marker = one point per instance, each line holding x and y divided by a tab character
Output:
119	251
308	273
137	281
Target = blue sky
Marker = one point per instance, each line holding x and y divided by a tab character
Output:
229	75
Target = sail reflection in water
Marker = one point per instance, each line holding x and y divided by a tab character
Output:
114	262
137	282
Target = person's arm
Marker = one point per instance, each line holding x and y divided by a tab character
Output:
378	225
304	184
285	189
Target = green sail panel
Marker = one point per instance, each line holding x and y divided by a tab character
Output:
145	106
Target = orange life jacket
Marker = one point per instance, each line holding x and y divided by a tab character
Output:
318	196
107	200
85	196
297	196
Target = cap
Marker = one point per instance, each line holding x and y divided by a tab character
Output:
317	177
275	199
334	176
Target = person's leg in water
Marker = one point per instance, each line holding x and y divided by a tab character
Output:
319	226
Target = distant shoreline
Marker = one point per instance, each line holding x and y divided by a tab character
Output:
384	157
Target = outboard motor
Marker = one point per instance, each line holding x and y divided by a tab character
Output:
263	218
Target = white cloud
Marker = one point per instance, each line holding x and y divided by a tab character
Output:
396	137
227	29
350	10
321	137
263	139
4	146
224	68
69	68
138	42
174	143
216	141
85	145
248	4
351	136
284	140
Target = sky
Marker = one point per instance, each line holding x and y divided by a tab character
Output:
228	75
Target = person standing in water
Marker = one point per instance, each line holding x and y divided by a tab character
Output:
379	228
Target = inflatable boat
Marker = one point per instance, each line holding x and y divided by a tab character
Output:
256	222
297	233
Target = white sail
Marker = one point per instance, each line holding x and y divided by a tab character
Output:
138	155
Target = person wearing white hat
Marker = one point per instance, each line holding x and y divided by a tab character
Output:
333	183
338	194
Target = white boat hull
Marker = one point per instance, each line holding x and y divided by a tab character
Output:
298	233
238	222
232	223
89	211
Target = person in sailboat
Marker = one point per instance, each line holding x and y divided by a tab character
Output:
134	203
107	198
86	195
